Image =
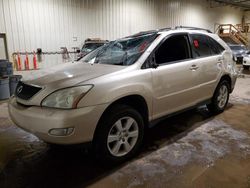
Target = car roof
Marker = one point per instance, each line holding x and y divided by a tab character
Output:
177	29
96	42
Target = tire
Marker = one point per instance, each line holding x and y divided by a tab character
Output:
110	128
220	98
245	67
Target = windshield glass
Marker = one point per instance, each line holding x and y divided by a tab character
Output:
90	47
121	52
237	48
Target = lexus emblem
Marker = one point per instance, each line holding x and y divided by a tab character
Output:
19	89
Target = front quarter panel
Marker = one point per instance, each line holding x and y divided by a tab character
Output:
109	88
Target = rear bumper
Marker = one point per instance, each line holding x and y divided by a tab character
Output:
39	121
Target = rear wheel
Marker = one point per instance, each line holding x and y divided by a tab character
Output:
119	135
220	98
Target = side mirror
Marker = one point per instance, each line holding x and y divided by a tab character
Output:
154	65
150	63
153	62
234	59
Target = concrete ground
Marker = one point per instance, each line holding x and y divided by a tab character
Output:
193	149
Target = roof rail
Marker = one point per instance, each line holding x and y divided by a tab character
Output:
193	28
164	29
142	33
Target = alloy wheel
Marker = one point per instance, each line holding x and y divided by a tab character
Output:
122	136
222	97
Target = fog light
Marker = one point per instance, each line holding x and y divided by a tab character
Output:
61	132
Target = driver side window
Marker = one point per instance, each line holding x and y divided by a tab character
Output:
174	48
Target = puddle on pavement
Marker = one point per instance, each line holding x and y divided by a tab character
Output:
191	149
201	148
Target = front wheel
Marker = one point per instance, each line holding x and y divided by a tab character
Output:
119	135
220	98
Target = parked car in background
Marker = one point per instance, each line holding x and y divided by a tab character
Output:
239	51
246	61
115	93
89	45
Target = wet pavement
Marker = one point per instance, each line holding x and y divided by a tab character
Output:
193	149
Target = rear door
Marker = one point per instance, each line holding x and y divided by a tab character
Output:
208	53
175	80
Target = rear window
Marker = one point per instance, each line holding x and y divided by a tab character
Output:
200	46
204	46
216	48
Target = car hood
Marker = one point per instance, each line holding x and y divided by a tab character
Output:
238	52
69	74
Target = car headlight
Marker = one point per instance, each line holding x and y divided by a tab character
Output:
67	98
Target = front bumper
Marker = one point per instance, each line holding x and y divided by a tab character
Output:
246	62
39	120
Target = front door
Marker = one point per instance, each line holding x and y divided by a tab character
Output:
175	80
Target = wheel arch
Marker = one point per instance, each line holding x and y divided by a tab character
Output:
135	101
227	78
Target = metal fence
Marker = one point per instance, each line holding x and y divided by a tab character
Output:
23	61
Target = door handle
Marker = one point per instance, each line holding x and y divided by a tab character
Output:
194	67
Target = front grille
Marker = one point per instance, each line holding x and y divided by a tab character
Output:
239	59
25	92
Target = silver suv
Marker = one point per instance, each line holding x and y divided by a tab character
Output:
116	92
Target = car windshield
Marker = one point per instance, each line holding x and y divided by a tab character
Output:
124	51
237	48
90	47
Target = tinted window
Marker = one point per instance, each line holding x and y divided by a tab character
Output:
175	48
200	46
216	48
